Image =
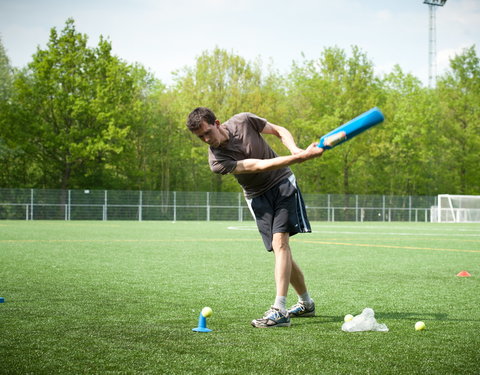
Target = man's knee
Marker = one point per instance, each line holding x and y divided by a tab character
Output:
281	242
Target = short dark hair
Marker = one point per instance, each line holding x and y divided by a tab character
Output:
198	115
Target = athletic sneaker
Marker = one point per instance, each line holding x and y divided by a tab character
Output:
272	318
302	310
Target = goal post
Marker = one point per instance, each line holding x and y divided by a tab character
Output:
457	209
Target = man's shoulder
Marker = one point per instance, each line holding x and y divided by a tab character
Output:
239	117
244	119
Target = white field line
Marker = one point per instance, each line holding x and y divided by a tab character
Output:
254	228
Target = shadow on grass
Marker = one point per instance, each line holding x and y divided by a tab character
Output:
413	316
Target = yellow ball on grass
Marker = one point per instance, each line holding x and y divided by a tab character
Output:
207	312
419	326
348	317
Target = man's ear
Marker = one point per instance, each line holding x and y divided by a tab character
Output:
217	122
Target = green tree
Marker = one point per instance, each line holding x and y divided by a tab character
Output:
404	155
9	152
162	139
459	91
227	84
75	108
6	74
136	165
326	93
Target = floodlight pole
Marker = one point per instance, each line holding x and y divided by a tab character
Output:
432	39
432	46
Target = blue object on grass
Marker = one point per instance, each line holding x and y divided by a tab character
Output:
202	324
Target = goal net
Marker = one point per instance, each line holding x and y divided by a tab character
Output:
457	209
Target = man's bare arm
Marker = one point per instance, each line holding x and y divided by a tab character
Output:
284	135
263	165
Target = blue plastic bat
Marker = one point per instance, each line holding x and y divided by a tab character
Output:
352	128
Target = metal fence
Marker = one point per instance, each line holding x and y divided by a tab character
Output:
41	204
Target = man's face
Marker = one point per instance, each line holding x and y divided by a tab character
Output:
210	134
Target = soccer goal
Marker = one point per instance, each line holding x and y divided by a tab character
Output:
457	209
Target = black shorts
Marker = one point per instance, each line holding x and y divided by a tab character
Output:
280	210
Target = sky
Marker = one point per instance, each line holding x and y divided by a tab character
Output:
167	35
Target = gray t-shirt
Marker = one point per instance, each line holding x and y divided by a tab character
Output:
246	142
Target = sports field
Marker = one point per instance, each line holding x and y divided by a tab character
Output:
123	297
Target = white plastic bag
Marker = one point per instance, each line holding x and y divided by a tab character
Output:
364	322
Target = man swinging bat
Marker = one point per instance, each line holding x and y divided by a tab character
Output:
271	191
237	147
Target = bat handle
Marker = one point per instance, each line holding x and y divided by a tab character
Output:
332	140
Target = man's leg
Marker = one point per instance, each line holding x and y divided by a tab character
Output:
279	213
288	272
277	316
283	263
305	306
297	279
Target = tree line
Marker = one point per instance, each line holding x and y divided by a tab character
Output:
80	117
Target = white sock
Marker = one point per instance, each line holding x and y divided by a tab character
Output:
281	303
305	297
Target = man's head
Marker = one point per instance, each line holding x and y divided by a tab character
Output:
203	123
199	115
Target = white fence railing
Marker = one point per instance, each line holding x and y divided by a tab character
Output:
37	204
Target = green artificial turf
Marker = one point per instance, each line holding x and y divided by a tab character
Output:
123	297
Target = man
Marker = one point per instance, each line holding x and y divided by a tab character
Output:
237	147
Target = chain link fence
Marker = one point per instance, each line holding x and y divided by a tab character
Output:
43	204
